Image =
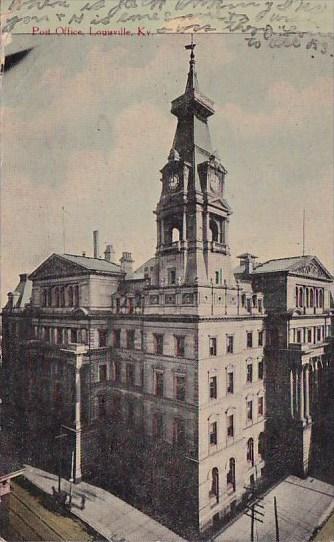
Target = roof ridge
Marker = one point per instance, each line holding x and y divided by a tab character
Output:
88	258
287	258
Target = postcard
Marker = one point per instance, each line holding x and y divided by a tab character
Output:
167	270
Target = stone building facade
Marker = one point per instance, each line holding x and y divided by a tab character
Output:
161	379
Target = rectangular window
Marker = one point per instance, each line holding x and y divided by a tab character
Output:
179	432
318	334
116	407
260	409
249	378
130	374
180	346
249	339
103	338
158	344
249	411
157	426
217	276
213	387
213	433
116	338
180	387
59	335
102	406
159	384
84	336
102	373
260	338
130	339
74	335
171	276
230	426
260	306
309	335
230	382
118	371
260	370
229	344
213	346
299	336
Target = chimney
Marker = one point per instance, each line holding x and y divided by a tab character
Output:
247	261
126	262
23	277
96	243
109	253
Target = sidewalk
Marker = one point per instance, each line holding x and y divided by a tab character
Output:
302	505
108	515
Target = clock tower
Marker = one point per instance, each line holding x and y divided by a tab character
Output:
192	214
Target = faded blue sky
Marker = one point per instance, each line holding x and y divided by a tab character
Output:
87	126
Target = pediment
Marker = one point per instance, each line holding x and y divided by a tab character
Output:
312	268
55	266
221	203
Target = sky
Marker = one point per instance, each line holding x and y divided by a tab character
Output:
87	126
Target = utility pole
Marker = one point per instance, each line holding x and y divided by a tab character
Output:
64	231
304	232
276	520
253	511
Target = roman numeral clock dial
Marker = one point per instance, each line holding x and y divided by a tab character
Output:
173	182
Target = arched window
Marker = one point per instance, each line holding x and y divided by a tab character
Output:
215	484
321	298
311	297
250	451
62	296
44	297
57	296
297	292
230	478
76	295
243	300
301	297
317	297
49	297
307	297
70	296
175	235
214	230
261	445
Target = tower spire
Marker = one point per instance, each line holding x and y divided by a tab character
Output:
192	83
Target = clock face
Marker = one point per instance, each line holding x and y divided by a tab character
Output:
173	182
214	182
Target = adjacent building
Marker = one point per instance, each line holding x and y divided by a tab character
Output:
175	382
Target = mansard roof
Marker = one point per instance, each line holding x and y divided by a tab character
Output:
299	265
58	265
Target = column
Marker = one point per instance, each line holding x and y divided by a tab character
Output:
307	392
158	233
162	231
301	395
77	421
291	394
297	405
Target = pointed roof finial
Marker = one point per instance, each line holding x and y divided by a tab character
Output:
191	46
192	83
